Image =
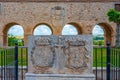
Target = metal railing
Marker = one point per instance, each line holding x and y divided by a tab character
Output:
7	62
106	63
22	62
115	64
13	62
99	62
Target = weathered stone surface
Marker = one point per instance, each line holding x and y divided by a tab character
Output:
60	58
60	0
60	54
59	77
41	53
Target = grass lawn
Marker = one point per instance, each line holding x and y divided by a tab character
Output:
99	57
22	56
7	56
115	57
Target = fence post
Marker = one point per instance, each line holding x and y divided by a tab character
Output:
16	61
108	61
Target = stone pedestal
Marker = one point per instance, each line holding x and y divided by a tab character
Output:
60	58
30	76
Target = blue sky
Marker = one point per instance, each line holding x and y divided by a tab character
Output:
42	30
69	30
97	30
17	30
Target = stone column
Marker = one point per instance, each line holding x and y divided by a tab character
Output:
5	39
26	38
113	39
1	39
58	30
117	34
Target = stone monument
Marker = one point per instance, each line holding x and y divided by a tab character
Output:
60	58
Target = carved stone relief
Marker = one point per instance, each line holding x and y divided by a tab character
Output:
76	57
60	54
76	54
41	55
58	16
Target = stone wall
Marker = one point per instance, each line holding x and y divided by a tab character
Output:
59	0
81	14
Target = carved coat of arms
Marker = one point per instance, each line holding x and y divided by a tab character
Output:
41	55
76	54
58	16
59	53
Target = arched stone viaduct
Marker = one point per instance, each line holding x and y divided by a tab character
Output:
83	15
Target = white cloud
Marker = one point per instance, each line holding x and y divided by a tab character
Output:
42	30
16	30
97	30
69	30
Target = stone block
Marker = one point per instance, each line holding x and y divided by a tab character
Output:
30	76
60	57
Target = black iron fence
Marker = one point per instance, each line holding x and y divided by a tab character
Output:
7	62
106	63
115	64
99	62
13	63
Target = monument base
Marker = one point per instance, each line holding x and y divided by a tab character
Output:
31	76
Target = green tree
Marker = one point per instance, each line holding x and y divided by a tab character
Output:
114	16
12	40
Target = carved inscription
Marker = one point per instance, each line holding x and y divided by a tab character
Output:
42	41
77	43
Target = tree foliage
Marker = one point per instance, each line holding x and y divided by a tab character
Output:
12	40
98	40
113	15
99	37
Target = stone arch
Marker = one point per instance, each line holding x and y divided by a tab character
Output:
77	26
43	24
5	32
108	32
